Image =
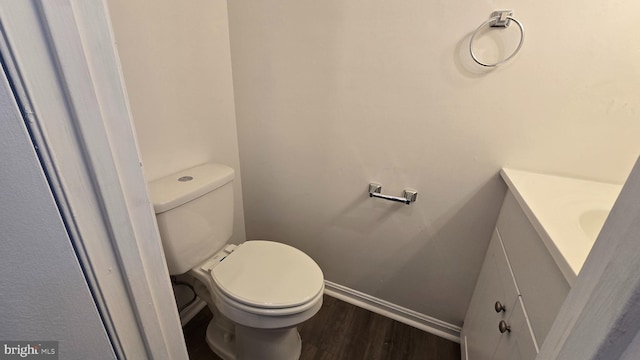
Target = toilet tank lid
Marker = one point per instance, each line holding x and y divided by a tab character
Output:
176	189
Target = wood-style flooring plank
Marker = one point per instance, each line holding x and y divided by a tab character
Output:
341	331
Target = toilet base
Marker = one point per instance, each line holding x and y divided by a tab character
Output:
249	343
232	341
222	343
268	344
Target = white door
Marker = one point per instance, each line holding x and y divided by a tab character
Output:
61	62
43	292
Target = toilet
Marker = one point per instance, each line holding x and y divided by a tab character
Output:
258	291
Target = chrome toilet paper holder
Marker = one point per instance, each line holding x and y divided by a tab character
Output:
408	195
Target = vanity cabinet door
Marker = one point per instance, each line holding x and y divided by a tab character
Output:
540	281
517	343
480	332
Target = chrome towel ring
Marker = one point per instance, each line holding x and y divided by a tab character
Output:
499	18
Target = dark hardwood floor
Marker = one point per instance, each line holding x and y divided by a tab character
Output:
341	331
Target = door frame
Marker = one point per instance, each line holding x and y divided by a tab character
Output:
64	70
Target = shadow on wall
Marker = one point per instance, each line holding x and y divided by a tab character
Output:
351	219
431	257
465	64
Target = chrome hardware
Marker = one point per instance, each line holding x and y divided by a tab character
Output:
499	307
503	327
501	18
498	19
408	195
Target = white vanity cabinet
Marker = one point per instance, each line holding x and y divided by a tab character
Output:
520	274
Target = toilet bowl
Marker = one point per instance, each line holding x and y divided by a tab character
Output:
265	289
258	291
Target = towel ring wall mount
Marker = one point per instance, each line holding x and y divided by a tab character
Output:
499	19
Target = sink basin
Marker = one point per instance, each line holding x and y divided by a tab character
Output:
567	213
591	222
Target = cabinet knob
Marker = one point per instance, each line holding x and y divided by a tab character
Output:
499	307
503	327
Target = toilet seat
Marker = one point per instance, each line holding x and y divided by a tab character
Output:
268	278
230	307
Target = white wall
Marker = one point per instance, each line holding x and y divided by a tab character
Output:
331	95
177	69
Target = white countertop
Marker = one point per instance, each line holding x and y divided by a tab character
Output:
567	213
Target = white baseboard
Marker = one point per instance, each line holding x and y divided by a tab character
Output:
393	311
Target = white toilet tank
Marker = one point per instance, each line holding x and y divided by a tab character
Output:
194	210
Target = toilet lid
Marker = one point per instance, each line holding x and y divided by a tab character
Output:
268	274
